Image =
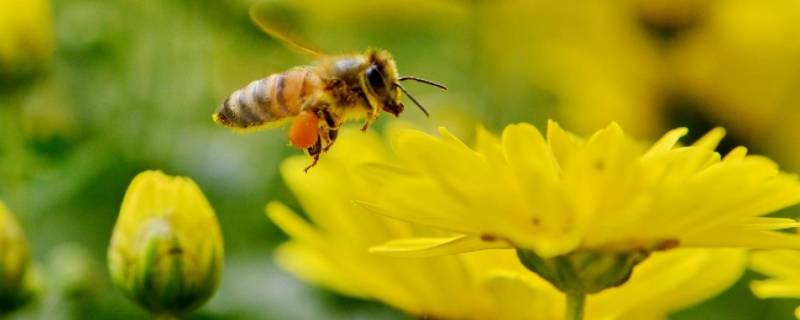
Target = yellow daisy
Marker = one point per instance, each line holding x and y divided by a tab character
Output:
783	269
332	250
565	194
581	213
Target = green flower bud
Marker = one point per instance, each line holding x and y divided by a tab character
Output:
19	283
166	250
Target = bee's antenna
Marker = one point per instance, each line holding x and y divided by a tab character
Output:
414	100
428	82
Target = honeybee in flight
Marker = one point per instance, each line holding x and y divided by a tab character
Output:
318	98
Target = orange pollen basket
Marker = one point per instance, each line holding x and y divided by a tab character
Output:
305	130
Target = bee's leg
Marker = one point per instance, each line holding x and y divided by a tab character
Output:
324	136
368	122
314	152
325	114
331	130
372	114
332	134
325	126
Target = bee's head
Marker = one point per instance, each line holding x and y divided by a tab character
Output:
383	83
379	78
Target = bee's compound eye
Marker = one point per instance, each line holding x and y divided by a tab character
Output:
305	130
375	78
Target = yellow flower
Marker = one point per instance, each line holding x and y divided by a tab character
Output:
166	250
671	15
783	268
739	64
18	280
26	34
335	255
582	214
608	193
331	250
555	47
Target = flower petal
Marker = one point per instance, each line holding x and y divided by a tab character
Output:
444	221
670	280
517	297
527	152
311	265
711	139
774	289
780	264
291	223
430	247
771	223
737	153
732	237
562	143
667	142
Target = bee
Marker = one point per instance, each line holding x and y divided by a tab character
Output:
318	98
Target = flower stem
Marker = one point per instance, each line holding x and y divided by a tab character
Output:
575	306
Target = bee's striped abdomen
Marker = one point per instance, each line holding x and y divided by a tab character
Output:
266	100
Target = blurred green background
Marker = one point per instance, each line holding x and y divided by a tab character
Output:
91	93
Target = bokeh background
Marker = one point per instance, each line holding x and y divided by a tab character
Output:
93	92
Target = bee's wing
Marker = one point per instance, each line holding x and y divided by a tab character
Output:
267	16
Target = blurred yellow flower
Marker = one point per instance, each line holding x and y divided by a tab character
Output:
783	269
26	34
669	15
18	280
166	250
564	194
594	58
650	64
741	65
331	250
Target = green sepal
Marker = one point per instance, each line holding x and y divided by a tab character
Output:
583	272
